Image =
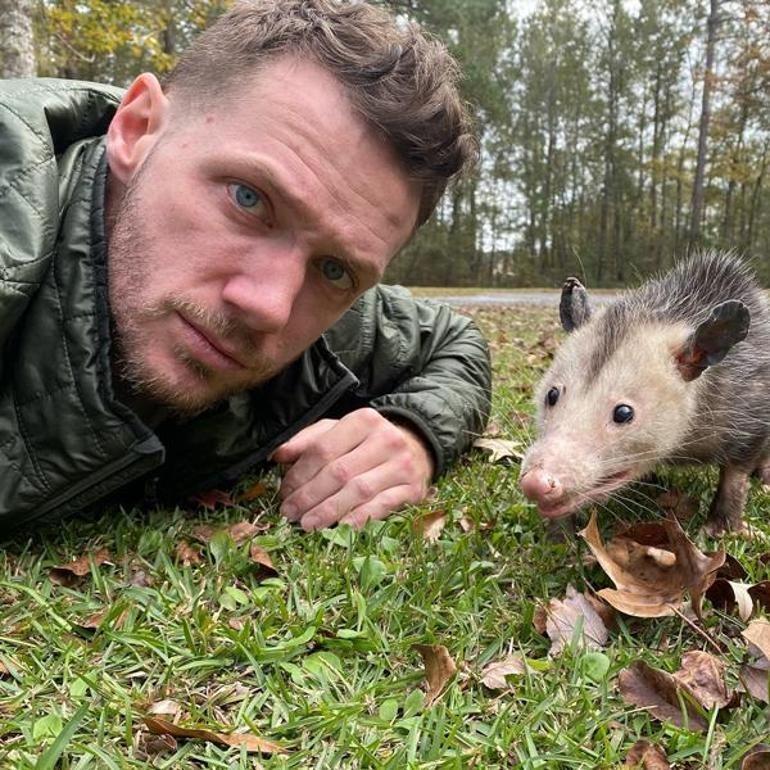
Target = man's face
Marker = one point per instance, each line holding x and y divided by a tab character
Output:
245	231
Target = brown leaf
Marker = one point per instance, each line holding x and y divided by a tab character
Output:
466	524
760	593
203	533
258	489
493	675
150	745
140	579
659	692
704	676
563	616
430	525
755	682
678	504
251	742
652	565
439	669
648	756
187	555
732	569
758	758
540	619
71	573
500	449
242	531
727	595
758	634
213	497
261	557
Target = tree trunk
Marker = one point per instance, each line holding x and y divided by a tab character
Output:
17	44
696	209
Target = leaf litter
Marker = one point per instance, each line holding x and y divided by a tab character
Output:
439	669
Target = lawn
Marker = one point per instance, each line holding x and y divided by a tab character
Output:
318	655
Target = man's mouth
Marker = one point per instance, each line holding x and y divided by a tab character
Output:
597	494
207	347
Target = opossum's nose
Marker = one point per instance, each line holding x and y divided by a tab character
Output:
540	486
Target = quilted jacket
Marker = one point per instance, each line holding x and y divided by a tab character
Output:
66	442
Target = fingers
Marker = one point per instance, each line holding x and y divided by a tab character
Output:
362	465
297	444
367	492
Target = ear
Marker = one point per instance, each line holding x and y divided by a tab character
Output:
574	309
139	121
727	325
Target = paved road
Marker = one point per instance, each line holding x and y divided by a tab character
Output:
519	297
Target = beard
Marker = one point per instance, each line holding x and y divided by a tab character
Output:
134	317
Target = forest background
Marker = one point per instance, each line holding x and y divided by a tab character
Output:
616	136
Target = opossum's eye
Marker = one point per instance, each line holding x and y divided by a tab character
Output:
552	396
623	413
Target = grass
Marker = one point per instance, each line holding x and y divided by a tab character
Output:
320	657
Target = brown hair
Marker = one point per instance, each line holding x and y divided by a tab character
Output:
397	77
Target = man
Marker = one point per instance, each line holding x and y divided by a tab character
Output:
196	291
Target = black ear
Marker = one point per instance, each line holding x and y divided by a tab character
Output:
574	309
727	324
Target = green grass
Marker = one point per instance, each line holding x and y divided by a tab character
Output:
320	659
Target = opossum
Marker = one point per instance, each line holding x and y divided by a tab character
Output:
677	370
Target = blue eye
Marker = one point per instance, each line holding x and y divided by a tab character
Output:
244	196
335	272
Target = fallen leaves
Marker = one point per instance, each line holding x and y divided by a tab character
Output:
652	565
563	618
500	449
754	675
494	675
439	669
644	754
73	572
430	525
248	741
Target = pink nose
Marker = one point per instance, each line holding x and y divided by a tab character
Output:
540	486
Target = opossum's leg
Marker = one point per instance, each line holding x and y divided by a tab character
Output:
726	514
763	472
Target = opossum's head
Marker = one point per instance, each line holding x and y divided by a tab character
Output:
619	397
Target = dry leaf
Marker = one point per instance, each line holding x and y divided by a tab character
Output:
652	565
70	574
758	633
430	525
757	759
728	594
439	669
563	616
760	593
493	675
704	676
500	449
187	555
540	619
661	694
238	532
732	569
466	524
648	756
213	497
164	708
203	533
261	557
149	745
258	489
755	682
140	579
678	504
251	742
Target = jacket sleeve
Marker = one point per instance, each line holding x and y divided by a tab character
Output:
418	362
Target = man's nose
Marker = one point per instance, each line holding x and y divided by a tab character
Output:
265	291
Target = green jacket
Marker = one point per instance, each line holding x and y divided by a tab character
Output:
66	442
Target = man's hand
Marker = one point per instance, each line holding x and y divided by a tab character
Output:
350	470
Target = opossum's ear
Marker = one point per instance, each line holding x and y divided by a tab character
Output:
727	324
574	309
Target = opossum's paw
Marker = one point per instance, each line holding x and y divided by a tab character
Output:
560	530
716	528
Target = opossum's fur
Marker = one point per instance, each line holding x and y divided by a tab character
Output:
637	353
732	417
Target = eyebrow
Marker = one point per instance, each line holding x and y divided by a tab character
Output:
252	167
